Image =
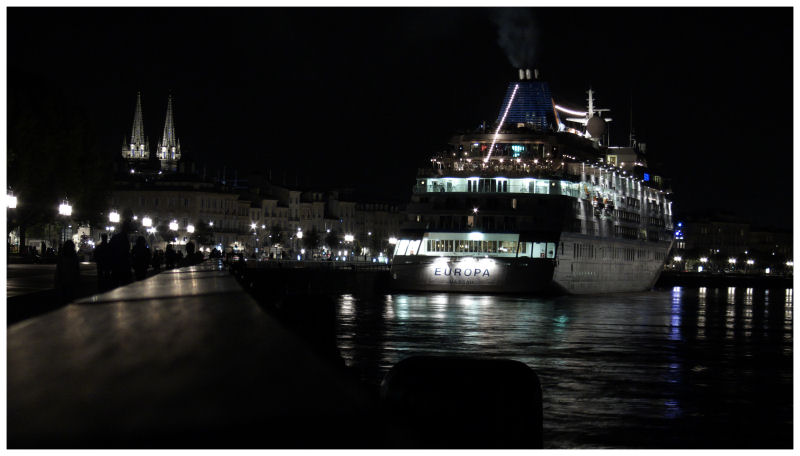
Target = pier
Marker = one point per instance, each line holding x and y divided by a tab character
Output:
184	359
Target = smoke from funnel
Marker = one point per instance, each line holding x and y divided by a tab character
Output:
517	34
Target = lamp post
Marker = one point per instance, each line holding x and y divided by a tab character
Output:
300	240
65	210
253	227
348	239
173	226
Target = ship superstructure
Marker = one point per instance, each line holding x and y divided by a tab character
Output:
538	201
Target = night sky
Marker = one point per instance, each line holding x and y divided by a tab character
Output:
360	97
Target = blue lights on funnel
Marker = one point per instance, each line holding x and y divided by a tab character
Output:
533	104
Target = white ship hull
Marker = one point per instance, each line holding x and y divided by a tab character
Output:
590	265
583	265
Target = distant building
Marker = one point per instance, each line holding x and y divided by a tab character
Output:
178	203
723	243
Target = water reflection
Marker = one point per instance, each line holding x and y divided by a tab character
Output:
701	313
730	313
615	362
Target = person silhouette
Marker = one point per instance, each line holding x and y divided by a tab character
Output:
157	260
141	258
102	258
68	272
120	249
170	257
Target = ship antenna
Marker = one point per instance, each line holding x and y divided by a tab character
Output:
631	135
503	119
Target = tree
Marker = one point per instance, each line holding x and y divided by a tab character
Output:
332	239
203	234
377	242
276	235
167	235
311	239
52	156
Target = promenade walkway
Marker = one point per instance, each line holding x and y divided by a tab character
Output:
183	359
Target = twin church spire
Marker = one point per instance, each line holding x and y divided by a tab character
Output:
138	148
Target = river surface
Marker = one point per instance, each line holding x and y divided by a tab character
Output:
679	368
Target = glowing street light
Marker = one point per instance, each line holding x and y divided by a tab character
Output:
65	209
173	225
147	222
677	258
732	260
253	226
704	259
113	217
190	228
348	238
790	263
299	234
11	201
751	262
393	240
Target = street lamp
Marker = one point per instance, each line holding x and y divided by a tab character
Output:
11	201
65	209
393	240
348	238
173	225
147	222
190	228
113	217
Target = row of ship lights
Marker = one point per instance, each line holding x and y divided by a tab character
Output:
616	169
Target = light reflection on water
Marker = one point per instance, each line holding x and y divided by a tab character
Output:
659	369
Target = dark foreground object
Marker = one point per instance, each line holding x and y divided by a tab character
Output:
450	402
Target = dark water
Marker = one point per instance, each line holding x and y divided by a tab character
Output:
681	368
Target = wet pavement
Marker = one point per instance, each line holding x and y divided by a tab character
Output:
184	359
24	279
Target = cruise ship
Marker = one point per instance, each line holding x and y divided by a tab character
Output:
536	202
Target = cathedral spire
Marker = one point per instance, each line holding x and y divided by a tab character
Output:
137	148
137	133
169	148
168	139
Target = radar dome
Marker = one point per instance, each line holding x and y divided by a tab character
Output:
596	127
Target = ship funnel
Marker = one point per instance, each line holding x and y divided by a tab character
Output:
521	74
527	74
